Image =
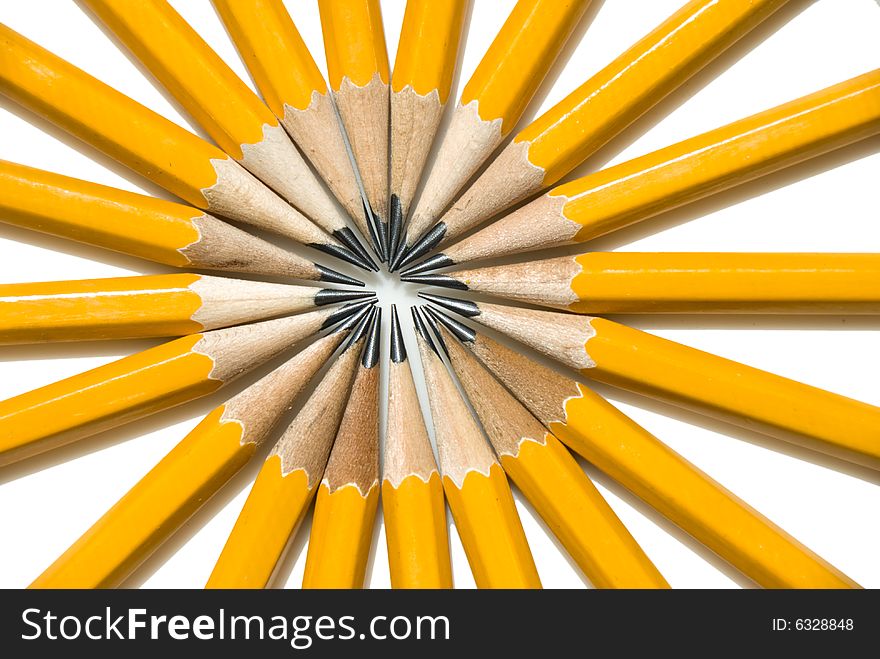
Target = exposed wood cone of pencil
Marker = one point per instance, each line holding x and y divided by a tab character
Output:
288	480
476	487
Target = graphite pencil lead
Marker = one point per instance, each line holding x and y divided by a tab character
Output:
460	331
444	281
334	296
348	238
422	329
370	355
382	231
374	236
395	227
463	307
360	330
433	263
424	245
333	277
398	349
350	313
435	328
342	253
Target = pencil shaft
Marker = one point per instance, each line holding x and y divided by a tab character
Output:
137	307
138	225
633	282
805	415
644	187
490	530
166	497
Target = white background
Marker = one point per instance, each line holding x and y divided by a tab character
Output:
830	204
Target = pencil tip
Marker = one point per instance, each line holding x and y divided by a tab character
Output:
464	307
432	321
334	296
333	277
424	245
395	227
350	313
444	281
402	248
348	238
398	349
374	235
460	331
342	253
382	231
435	262
422	329
361	328
370	355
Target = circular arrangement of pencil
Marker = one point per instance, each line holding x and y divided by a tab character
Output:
336	167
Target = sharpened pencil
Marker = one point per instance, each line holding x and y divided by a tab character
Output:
232	115
584	121
147	382
286	483
142	226
636	190
357	64
151	145
553	482
190	474
148	306
413	505
646	364
492	102
348	496
426	56
475	485
592	427
631	282
294	89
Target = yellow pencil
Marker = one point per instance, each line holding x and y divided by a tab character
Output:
637	361
585	120
142	226
553	482
294	89
614	443
476	488
426	56
631	282
345	507
492	102
147	306
646	186
156	148
287	481
357	63
190	474
223	106
144	383
412	492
